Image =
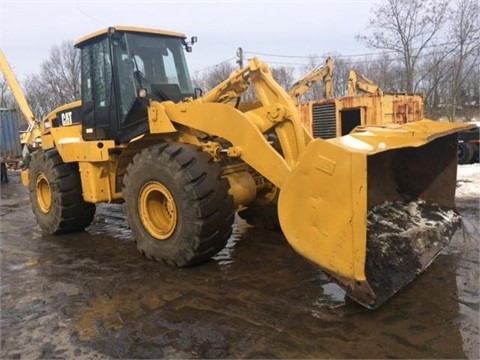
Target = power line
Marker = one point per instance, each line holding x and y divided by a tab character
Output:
373	57
346	56
276	55
310	56
213	66
284	63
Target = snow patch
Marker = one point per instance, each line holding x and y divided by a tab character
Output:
468	181
354	143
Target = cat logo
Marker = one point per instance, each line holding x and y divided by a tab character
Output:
66	118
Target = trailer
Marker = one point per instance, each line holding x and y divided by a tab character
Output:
10	146
468	145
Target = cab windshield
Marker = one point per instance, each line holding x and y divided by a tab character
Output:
155	63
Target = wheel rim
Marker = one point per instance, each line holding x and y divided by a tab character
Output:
157	210
44	193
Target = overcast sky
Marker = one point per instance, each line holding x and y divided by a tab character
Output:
29	29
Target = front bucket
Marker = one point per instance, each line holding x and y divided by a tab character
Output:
374	208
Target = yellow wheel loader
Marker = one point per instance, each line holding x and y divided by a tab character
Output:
372	208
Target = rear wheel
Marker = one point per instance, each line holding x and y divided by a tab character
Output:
466	152
263	212
177	204
56	194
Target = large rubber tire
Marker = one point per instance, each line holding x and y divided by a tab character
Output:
262	217
466	152
56	194
263	214
177	204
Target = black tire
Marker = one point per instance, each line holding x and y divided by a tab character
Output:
56	194
177	204
465	153
263	214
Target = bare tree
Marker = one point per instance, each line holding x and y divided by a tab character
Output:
213	76
58	82
432	84
386	72
61	72
464	33
406	28
283	75
39	96
6	97
7	100
472	94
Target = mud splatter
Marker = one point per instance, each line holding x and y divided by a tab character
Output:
92	295
403	238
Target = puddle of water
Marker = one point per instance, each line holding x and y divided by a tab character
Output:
256	299
334	292
225	257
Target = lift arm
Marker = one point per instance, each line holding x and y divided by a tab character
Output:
33	130
246	129
16	89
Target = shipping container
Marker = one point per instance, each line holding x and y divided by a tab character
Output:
10	147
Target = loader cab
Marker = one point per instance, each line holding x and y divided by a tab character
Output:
123	68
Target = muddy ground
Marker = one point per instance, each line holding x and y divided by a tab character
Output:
92	295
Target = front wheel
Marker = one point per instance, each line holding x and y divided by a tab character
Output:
56	194
177	204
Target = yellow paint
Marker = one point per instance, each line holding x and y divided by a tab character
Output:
330	190
98	182
73	148
43	193
24	177
129	29
157	210
158	120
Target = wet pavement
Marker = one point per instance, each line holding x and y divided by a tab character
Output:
92	295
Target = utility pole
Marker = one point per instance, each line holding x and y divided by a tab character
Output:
240	57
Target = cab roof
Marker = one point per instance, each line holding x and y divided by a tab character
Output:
103	32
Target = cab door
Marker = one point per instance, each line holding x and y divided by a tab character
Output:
100	119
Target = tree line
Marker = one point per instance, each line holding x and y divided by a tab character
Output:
418	46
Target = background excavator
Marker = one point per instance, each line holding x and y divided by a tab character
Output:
360	83
184	164
365	104
324	73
